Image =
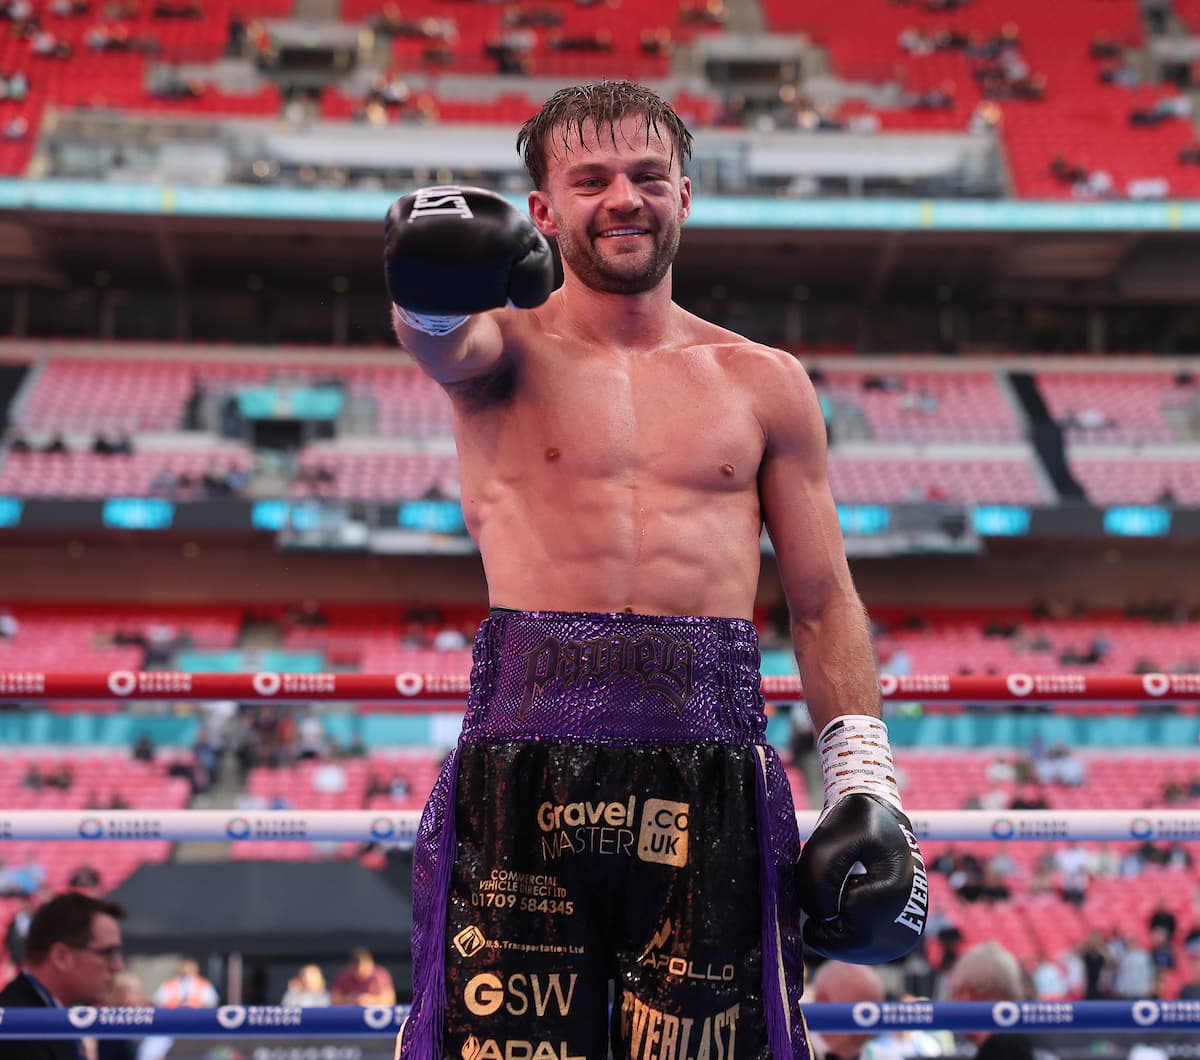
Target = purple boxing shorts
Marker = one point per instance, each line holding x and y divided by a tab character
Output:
611	815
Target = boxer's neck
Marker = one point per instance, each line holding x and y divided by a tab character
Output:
633	322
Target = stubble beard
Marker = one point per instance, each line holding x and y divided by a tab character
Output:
611	276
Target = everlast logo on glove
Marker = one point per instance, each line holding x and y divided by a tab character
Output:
917	908
446	200
863	917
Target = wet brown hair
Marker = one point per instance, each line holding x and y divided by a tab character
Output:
600	103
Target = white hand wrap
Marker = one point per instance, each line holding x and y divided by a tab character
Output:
856	757
429	323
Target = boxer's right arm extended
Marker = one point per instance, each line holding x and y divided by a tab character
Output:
451	254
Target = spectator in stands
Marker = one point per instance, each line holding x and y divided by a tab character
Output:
28	878
307	989
1103	46
143	749
128	990
914	42
72	956
833	983
988	972
187	988
18	928
1048	977
1097	967
1117	73
1029	797
1162	950
363	982
1163	918
994	885
703	12
49	46
1073	865
1060	765
329	778
1134	974
85	878
656	41
310	735
62	776
14	86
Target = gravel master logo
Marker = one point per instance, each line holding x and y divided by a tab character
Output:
237	828
664	834
91	828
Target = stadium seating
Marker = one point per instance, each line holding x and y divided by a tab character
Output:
1081	119
143	473
81	638
1114	407
1113	480
956	406
956	643
862	479
96	779
1119	895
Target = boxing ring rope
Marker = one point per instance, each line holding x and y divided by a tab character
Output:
416	688
400	827
347	1021
447	691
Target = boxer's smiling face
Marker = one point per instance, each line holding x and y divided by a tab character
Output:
615	199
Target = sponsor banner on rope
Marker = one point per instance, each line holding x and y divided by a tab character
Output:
1008	1014
1022	685
153	682
22	683
1150	826
868	1014
122	827
267	827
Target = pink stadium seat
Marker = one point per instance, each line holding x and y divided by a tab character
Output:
958	406
862	479
1132	406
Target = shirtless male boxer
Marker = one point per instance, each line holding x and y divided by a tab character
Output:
612	811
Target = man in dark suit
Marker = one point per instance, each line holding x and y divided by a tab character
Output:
72	953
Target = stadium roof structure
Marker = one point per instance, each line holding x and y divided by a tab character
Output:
61	234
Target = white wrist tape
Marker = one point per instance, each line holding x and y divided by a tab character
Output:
430	323
856	757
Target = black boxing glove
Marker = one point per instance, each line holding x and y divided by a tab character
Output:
452	251
861	878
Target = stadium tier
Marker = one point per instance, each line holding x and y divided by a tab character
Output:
959	434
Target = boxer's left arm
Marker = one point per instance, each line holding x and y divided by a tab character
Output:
861	877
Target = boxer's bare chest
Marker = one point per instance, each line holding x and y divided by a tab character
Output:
678	416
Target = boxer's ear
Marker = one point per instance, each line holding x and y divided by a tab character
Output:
542	214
